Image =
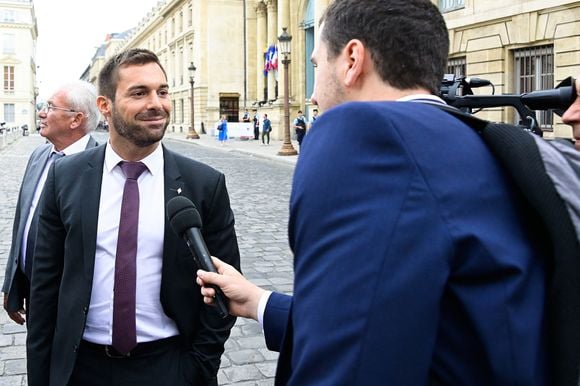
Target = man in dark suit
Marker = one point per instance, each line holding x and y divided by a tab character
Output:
66	120
416	262
81	276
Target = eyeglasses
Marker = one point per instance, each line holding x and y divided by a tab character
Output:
49	106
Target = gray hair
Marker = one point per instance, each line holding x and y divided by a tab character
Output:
82	97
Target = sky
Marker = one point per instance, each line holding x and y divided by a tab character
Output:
69	32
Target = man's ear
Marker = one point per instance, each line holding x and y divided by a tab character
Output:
77	120
104	105
354	54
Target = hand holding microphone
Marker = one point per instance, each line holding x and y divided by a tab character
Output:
186	222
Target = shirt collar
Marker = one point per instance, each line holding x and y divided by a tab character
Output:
153	161
426	98
75	147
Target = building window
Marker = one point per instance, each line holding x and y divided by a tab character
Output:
457	66
451	5
534	70
8	44
229	106
9	116
190	16
182	111
9	79
7	16
173	109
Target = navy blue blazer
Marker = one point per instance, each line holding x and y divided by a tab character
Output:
414	258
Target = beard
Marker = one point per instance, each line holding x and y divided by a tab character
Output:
139	134
332	94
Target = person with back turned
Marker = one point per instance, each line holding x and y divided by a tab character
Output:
113	297
415	260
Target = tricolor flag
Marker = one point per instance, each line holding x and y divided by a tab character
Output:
274	59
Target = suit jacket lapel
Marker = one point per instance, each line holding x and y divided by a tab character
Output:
34	172
91	181
92	143
173	187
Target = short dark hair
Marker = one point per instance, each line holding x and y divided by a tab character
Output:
408	39
109	75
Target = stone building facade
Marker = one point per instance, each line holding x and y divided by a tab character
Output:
18	34
520	46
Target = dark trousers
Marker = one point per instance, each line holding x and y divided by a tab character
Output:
300	135
267	135
161	365
256	132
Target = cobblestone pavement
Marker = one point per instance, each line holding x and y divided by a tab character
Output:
259	190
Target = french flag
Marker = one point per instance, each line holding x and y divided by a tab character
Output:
274	59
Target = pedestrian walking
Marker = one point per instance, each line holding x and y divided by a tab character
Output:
300	127
223	130
266	129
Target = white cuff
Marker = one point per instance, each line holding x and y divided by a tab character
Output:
262	307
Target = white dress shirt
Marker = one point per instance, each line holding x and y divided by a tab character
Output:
76	147
151	321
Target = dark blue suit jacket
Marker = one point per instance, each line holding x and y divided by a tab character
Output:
414	258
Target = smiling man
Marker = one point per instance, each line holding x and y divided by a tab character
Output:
113	294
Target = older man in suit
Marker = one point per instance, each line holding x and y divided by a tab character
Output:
415	261
66	120
113	299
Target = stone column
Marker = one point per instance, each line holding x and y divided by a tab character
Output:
272	40
261	46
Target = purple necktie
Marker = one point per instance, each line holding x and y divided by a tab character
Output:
124	332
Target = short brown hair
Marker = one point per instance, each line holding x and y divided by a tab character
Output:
109	75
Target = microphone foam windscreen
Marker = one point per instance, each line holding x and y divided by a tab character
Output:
182	215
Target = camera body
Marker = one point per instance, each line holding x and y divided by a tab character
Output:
457	91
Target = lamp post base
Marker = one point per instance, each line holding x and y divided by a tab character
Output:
192	135
287	149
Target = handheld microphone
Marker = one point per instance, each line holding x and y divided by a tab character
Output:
186	222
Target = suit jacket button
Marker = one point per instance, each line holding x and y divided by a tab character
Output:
75	348
85	310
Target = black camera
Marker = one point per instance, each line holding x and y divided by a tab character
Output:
458	92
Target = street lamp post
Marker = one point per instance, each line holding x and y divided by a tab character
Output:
284	41
192	134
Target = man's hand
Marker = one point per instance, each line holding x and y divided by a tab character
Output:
243	295
17	316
